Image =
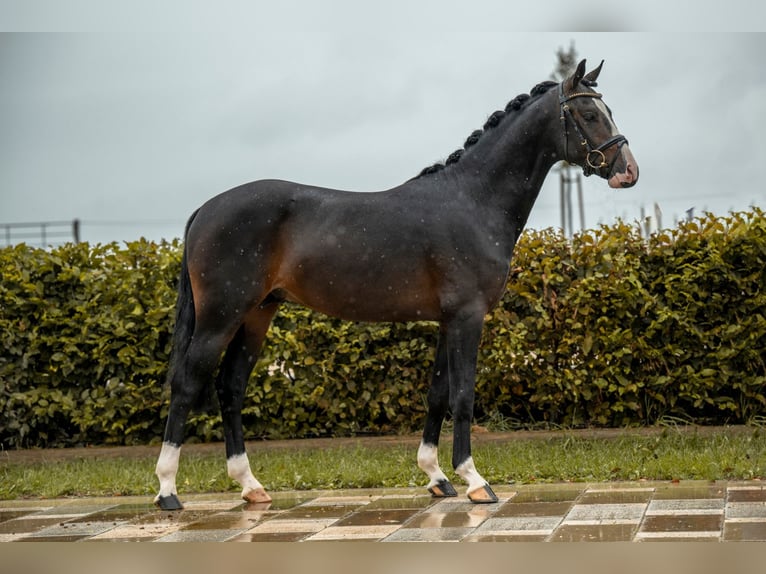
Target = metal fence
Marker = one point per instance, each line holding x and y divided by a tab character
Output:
42	233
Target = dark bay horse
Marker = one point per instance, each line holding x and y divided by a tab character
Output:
436	248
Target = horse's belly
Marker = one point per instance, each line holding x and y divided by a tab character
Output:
367	296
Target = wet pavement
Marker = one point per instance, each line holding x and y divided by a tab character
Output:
640	512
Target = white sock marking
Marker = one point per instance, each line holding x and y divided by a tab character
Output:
467	471
428	461
167	468
238	467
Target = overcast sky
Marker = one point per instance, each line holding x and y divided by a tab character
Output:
134	117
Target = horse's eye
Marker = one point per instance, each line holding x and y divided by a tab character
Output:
590	116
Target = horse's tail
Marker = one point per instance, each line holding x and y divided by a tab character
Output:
184	327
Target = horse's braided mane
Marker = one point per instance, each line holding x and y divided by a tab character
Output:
493	121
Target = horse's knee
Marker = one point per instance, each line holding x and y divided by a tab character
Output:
462	407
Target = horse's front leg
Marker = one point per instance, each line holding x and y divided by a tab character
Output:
462	337
438	402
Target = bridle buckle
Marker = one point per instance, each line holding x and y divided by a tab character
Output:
600	162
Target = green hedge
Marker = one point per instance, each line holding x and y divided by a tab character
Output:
607	329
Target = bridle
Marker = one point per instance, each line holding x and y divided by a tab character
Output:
595	159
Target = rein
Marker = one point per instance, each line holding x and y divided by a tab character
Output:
595	159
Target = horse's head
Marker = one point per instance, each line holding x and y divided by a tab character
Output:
591	139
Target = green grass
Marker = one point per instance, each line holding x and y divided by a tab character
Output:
665	455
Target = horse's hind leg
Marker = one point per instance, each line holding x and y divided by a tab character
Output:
241	355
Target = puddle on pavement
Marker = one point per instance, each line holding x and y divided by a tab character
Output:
118	513
450	519
28	525
13	514
377	517
230	521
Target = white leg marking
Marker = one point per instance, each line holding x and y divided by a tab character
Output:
428	461
238	467
467	471
167	468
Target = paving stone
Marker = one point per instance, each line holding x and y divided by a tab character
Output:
599	512
457	505
6	515
506	537
317	512
684	490
677	536
744	510
242	520
68	538
399	502
76	509
628	496
687	506
9	537
211	505
270	537
594	533
138	531
381	517
122	512
449	519
747	495
75	529
534	509
538	524
547	494
683	523
744	531
199	536
340	500
297	525
28	524
428	535
371	532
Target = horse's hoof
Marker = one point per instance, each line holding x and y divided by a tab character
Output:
443	489
256	496
168	502
482	495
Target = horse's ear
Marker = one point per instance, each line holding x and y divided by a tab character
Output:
591	77
571	83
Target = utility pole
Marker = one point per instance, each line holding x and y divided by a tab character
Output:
569	178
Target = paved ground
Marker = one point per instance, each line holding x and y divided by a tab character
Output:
642	512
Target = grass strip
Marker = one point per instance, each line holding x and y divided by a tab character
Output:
566	457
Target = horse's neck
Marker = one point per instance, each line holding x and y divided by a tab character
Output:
505	170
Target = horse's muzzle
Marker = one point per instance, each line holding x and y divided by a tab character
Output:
629	176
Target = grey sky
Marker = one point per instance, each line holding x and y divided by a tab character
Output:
135	122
